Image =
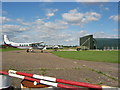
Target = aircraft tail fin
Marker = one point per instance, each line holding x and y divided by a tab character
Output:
6	40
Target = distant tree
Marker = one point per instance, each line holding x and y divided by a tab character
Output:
3	46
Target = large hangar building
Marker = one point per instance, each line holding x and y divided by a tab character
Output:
88	42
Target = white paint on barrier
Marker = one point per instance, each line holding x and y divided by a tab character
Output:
48	83
109	88
17	76
44	77
12	71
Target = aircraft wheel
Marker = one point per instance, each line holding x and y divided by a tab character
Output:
41	51
27	50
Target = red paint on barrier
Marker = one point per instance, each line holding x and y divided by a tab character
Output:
2	72
79	83
67	81
24	74
32	79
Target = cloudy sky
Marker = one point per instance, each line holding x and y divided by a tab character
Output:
59	22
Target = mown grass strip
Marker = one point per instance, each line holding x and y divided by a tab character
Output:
9	49
99	56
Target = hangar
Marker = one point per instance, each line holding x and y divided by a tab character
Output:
88	42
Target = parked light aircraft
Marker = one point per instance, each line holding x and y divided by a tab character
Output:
27	45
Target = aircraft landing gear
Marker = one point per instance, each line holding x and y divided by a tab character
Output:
41	51
27	50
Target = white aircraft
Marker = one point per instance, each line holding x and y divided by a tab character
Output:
9	43
28	46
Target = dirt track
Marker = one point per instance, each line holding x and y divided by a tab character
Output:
51	65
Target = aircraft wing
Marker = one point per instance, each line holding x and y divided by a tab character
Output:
38	43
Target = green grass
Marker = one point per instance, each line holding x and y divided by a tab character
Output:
100	56
9	49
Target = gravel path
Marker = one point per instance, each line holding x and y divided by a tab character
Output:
51	65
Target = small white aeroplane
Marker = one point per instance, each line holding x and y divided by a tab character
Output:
28	46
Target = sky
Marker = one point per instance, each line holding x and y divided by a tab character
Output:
60	23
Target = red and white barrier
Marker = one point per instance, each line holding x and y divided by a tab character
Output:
58	80
40	81
32	77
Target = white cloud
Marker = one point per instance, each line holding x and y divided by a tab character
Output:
103	8
55	25
104	35
75	35
116	30
54	38
21	21
52	26
51	12
76	18
115	18
13	28
45	30
54	32
39	22
4	19
18	20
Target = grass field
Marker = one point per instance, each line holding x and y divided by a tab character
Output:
100	56
9	49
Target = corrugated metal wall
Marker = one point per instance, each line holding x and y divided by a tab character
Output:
99	43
